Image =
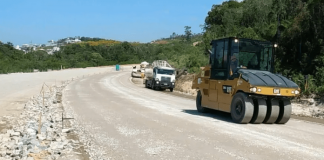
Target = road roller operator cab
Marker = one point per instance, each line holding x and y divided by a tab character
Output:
240	80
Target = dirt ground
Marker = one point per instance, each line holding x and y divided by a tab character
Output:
19	87
152	124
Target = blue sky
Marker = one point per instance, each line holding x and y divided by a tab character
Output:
23	21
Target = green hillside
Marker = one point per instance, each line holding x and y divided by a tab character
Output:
296	25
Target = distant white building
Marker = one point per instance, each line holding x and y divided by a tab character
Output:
17	47
56	49
51	43
25	46
77	40
68	40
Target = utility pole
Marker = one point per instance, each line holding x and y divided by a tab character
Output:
31	46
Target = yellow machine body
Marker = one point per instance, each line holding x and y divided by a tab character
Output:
213	96
250	91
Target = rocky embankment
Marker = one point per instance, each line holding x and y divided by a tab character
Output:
38	133
184	83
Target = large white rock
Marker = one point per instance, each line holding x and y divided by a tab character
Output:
41	137
9	131
5	139
34	142
24	150
8	152
15	139
66	130
30	158
14	134
65	142
31	131
2	152
15	153
56	145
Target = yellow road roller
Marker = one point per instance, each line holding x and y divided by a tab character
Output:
240	80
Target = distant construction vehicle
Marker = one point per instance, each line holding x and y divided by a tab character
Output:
139	72
240	80
159	75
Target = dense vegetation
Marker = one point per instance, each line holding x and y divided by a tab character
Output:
296	25
179	53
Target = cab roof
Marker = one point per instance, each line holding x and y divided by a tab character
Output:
166	68
260	41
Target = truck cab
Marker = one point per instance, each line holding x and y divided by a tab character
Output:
160	75
164	78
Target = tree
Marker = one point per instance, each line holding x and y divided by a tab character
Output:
10	44
96	58
188	33
173	35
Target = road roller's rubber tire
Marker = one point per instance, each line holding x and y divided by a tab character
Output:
272	111
242	108
285	112
146	86
200	108
171	89
260	111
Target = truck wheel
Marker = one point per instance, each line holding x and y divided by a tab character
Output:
171	89
200	108
242	108
146	84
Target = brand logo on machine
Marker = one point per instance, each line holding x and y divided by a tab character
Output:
203	73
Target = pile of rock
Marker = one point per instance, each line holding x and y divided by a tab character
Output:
38	133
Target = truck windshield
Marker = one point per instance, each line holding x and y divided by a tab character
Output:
251	54
165	71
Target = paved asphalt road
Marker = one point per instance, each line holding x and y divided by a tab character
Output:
131	122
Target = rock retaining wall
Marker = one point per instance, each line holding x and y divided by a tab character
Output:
38	132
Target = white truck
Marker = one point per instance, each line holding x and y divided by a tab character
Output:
160	75
138	72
